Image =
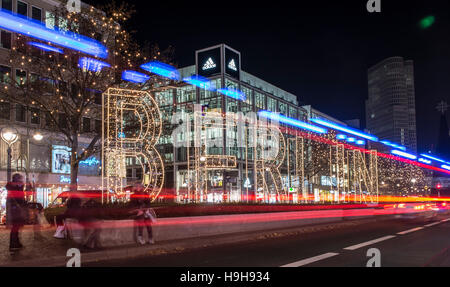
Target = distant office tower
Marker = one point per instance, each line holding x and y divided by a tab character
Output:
391	108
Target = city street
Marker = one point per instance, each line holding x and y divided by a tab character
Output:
401	243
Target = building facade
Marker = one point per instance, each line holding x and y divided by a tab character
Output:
390	108
46	164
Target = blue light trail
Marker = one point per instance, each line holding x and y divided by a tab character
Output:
233	93
162	69
92	65
433	158
36	29
422	160
292	122
404	154
345	129
135	77
200	82
45	47
388	143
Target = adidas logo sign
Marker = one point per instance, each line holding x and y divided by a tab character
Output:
209	65
232	65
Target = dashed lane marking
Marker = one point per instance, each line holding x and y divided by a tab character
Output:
433	224
310	260
410	230
357	246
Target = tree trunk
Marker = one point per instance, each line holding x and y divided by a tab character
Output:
74	164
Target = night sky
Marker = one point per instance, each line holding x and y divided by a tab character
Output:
319	52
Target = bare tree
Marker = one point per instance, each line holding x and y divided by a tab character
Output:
66	91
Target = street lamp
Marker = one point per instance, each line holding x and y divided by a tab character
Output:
38	137
9	136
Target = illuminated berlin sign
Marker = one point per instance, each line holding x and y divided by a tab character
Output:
209	64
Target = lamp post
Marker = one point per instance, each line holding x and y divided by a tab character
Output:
9	136
37	137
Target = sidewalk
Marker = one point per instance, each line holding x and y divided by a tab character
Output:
49	251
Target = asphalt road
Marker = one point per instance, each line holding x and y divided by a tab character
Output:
401	242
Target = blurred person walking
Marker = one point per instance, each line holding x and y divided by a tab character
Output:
16	210
145	215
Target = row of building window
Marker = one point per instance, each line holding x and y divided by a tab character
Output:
35	115
187	94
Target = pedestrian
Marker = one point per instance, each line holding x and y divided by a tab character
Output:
91	223
16	210
145	215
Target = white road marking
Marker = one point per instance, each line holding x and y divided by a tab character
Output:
409	231
310	260
433	224
354	247
445	220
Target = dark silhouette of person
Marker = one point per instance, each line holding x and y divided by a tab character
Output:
141	203
16	210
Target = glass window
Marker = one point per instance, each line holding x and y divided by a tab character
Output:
20	113
7	5
283	108
98	98
164	98
186	94
49	20
22	8
86	125
216	84
249	94
36	13
98	126
293	112
21	77
5	75
5	111
231	105
48	120
271	104
35	116
212	104
62	121
5	41
260	100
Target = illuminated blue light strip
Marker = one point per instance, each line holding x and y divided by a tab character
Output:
445	166
92	64
425	160
37	30
404	154
46	47
92	161
433	158
135	77
351	140
345	129
360	142
232	93
162	69
200	82
341	137
388	143
292	122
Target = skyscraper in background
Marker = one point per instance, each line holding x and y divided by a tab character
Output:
391	108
